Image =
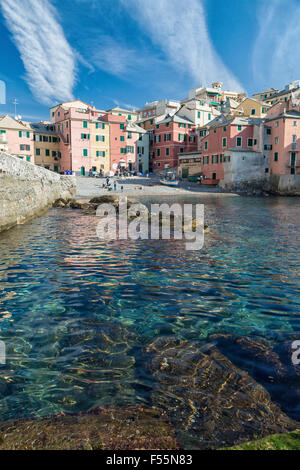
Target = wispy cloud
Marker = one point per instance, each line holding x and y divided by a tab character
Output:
181	32
120	59
48	59
277	48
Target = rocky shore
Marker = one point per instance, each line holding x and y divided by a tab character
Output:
200	399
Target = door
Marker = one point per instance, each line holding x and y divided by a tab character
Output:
185	172
214	176
293	163
82	171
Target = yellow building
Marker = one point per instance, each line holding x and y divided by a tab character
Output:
251	107
46	146
100	146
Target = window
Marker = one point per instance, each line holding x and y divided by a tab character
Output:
158	152
122	138
276	140
294	139
122	127
85	136
100	153
295	123
205	145
157	138
123	150
224	142
85	152
277	124
253	112
240	128
22	134
215	159
167	137
199	114
238	141
130	149
129	135
250	142
209	116
47	153
181	137
224	129
276	157
151	122
157	126
181	149
100	138
263	110
129	117
269	131
28	159
85	124
167	151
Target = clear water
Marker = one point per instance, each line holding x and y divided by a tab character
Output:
76	313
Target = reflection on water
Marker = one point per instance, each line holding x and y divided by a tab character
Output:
77	313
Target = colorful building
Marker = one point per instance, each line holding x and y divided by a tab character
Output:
46	146
16	138
170	136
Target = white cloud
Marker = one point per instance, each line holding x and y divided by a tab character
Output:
48	59
117	58
277	48
180	31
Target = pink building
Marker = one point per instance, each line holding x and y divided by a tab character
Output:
171	136
283	127
16	138
236	134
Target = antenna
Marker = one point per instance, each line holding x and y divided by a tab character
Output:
15	102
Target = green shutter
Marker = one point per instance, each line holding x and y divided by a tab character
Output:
85	124
20	133
85	152
28	135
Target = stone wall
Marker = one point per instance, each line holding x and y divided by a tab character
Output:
27	190
285	185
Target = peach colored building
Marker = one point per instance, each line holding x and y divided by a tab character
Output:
16	138
283	124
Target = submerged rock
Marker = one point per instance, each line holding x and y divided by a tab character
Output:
130	428
105	200
288	441
210	401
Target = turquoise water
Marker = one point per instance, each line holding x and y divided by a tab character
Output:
77	314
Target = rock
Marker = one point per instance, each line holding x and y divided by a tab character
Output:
211	402
288	441
61	203
75	204
130	428
105	200
271	368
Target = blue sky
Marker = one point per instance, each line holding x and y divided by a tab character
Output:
126	52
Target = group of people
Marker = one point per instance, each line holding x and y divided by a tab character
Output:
111	186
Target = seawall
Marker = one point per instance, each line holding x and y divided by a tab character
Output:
27	190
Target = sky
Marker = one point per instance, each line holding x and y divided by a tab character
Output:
128	52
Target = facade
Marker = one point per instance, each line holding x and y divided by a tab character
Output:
250	107
232	152
130	116
46	146
189	164
16	138
283	95
171	136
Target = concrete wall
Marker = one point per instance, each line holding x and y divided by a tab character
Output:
246	169
27	190
285	185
